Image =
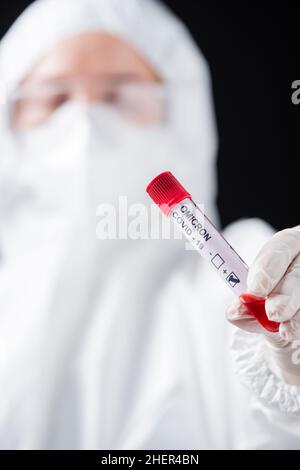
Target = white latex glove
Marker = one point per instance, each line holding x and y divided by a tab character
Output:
275	274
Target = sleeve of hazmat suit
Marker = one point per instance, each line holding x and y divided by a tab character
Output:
230	369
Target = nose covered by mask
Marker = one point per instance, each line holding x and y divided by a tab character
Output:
90	155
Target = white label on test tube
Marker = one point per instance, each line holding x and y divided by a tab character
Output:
206	239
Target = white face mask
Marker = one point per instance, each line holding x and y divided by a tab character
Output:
90	155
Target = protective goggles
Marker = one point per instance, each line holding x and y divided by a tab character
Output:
31	105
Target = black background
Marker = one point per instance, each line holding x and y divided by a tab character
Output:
253	52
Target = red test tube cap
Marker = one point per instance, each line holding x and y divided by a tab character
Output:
166	191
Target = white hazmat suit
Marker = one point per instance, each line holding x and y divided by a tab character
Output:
121	343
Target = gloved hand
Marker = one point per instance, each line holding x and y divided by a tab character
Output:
275	274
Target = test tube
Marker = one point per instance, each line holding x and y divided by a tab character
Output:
177	203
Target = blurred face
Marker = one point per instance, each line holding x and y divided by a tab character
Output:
88	68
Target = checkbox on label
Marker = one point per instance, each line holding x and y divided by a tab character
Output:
217	261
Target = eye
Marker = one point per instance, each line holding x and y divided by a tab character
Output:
111	96
31	110
50	101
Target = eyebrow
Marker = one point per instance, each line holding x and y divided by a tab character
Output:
107	76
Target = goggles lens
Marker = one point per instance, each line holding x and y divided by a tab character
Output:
142	102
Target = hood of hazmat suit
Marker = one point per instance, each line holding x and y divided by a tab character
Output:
97	347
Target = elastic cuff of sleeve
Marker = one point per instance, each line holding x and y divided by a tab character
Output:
254	371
